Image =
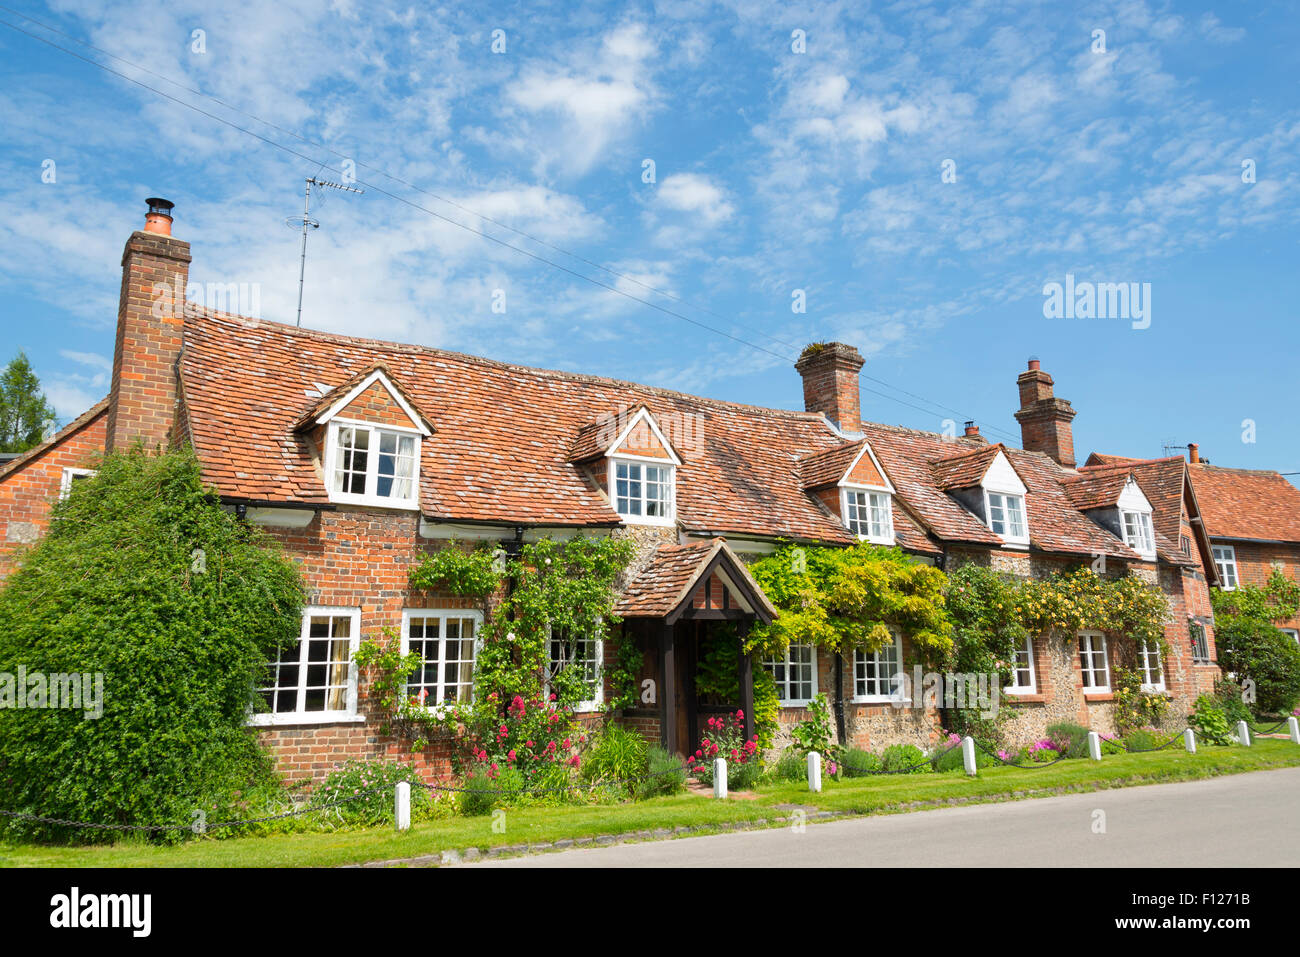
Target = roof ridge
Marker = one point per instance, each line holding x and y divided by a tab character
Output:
415	349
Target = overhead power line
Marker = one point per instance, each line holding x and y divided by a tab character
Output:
414	205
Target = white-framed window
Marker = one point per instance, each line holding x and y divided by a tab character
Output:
642	491
584	653
1200	642
314	679
369	464
795	674
1138	533
1292	634
1225	560
1151	667
1007	516
1093	662
446	639
1024	679
869	515
877	674
71	476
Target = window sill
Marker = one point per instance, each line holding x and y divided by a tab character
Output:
887	700
317	717
367	502
1094	697
1026	697
650	523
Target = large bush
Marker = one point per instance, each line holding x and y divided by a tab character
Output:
1250	647
144	579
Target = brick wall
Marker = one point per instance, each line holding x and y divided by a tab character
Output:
1256	561
28	492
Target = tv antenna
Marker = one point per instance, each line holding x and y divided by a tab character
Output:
305	221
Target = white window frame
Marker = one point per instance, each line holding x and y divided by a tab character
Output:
639	461
69	476
442	614
1027	650
370	497
1292	633
1205	639
1145	653
593	704
301	716
1009	537
863	658
1092	637
1225	560
782	687
1143	540
884	535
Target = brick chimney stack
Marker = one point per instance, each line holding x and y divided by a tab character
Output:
1044	419
150	320
973	432
830	383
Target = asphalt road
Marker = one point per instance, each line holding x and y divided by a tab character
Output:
1249	820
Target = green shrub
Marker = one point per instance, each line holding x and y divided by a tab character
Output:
665	774
946	756
1073	738
1209	721
144	579
617	756
379	779
485	791
856	762
790	766
1231	701
904	758
1143	739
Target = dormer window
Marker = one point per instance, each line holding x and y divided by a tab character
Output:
869	515
1138	534
372	436
372	465
1007	516
643	492
641	468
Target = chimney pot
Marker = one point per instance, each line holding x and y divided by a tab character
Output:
1034	365
1193	453
159	218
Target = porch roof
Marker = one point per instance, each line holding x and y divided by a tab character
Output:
667	583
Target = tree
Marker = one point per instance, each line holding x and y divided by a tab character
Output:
1251	647
25	414
145	580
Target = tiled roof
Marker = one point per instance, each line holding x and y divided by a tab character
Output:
673	570
75	425
828	466
964	469
504	433
1246	503
1098	489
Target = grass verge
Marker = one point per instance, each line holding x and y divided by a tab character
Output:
883	794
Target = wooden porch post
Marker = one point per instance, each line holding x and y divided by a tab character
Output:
745	665
668	690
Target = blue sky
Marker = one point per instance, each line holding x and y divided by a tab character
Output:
775	171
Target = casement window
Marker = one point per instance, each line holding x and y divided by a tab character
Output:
1185	544
1024	679
643	493
877	674
314	678
583	653
1225	560
1093	662
1138	534
370	465
446	641
1007	516
869	515
1200	643
1292	634
70	477
795	674
1151	667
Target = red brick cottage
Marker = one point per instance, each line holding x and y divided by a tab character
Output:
360	457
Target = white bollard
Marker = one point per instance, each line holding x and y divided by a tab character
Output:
1243	734
814	772
1293	725
719	777
1094	745
402	806
968	755
1189	740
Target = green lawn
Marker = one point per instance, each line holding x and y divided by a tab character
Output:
882	794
